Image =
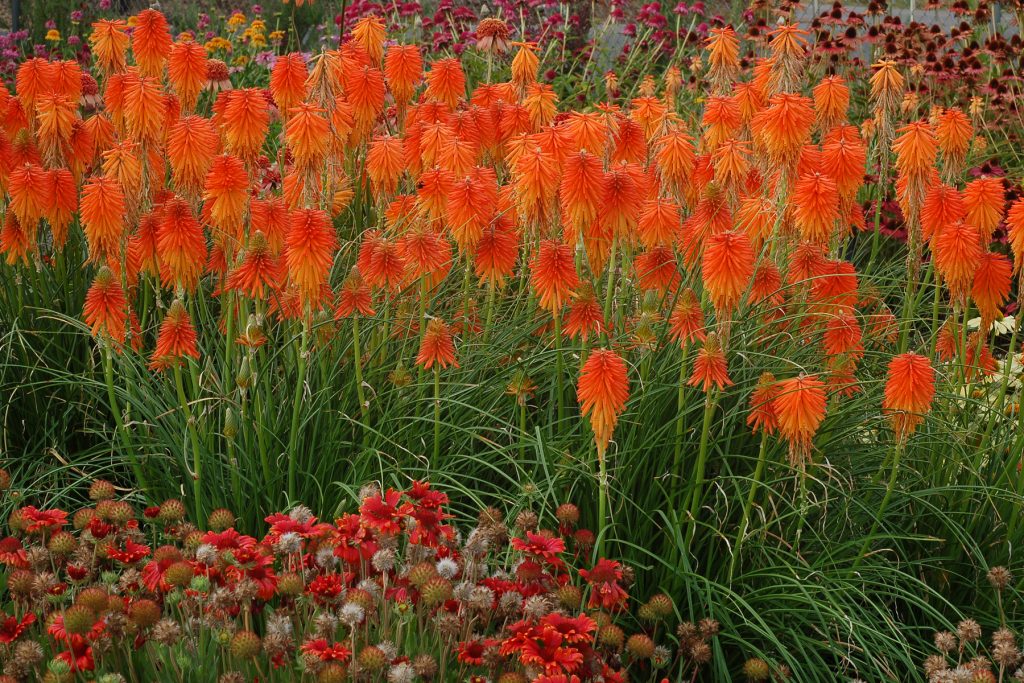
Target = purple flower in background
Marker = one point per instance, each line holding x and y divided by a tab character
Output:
74	40
104	4
76	15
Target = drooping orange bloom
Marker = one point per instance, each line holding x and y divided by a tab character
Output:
386	266
106	308
369	34
496	252
916	149
766	287
843	158
446	81
288	81
62	192
365	91
585	317
437	346
28	189
180	245
15	242
176	339
985	202
191	147
225	194
525	66
800	405
675	159
425	253
186	70
245	119
710	367
721	120
536	184
403	69
470	207
109	41
833	284
732	163
151	42
978	359
909	391
756	216
621	201
762	416
831	100
542	103
783	127
1015	233
384	164
309	251
954	132
308	135
726	269
657	269
843	336
816	207
589	131
659	222
354	297
957	253
686	323
602	390
102	213
34	77
991	287
553	274
259	272
943	205
581	190
55	116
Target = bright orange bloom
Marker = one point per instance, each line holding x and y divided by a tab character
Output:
144	108
15	242
831	100
985	202
954	132
726	268
762	416
308	136
536	184
386	266
710	367
63	203
55	115
176	339
245	119
909	391
833	284
843	158
191	147
621	201
843	335
603	390
657	269
943	205
589	131
35	77
103	212
369	34
426	253
180	245
226	192
756	216
783	127
582	190
957	253
553	274
288	81
659	223
815	199
354	297
446	82
525	65
384	164
723	56
403	68
186	70
437	346
766	286
106	308
364	88
259	271
675	158
28	189
470	207
496	252
722	118
887	87
915	150
585	317
151	42
109	41
1015	233
800	405
686	324
991	286
309	251
542	103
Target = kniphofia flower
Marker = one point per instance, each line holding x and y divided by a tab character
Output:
585	317
354	297
191	147
496	252
603	390
245	120
991	286
309	251
176	339
288	81
369	34
403	69
800	406
437	346
553	274
815	199
151	42
762	416
103	211
985	202
831	100
180	245
109	41
106	308
259	272
446	81
909	391
186	70
957	253
226	192
710	367
726	268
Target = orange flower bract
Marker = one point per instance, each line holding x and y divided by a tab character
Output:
603	389
176	339
309	251
437	347
103	211
909	390
800	405
106	308
553	274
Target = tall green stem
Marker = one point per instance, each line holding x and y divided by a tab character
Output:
680	416
741	534
293	436
115	408
357	362
893	472
197	458
437	416
560	379
697	484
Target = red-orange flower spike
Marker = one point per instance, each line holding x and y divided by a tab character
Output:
784	127
657	269
675	158
246	119
14	241
288	81
35	77
603	390
63	195
369	34
991	287
659	223
985	202
471	204
191	147
496	252
176	339
308	135
726	268
1015	233
354	297
226	193
102	213
843	158
553	274
943	205
109	41
585	317
582	189
686	323
831	100
800	405
437	346
386	266
385	164
710	367
816	201
151	42
180	245
259	272
106	308
909	391
954	132
446	81
957	253
309	251
762	416
144	108
186	70
28	188
403	69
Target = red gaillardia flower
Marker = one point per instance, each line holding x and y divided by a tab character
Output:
800	406
176	339
909	390
437	346
106	308
603	390
553	274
